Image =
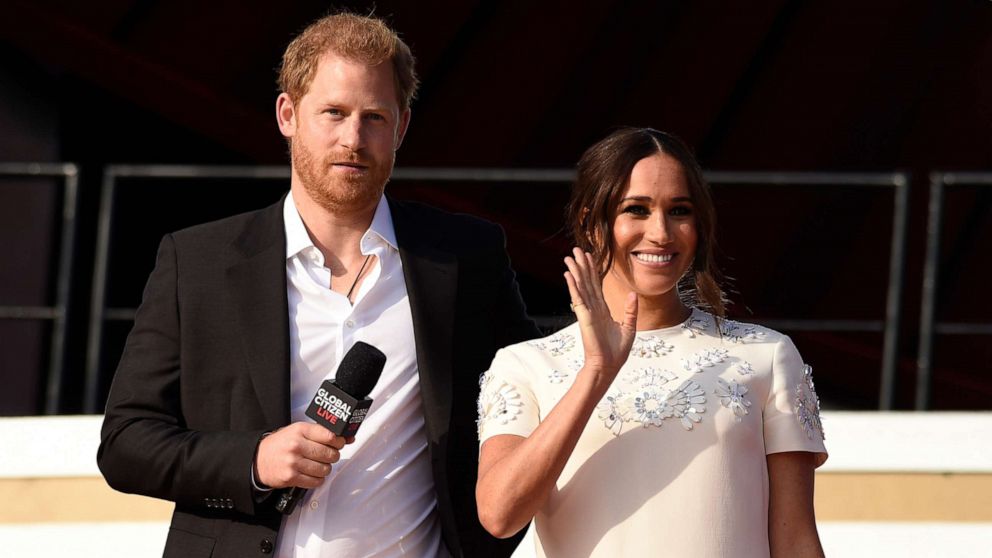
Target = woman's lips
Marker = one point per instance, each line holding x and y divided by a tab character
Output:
654	260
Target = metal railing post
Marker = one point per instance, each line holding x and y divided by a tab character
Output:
928	304
99	292
893	308
56	364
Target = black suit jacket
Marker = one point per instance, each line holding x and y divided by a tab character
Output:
205	372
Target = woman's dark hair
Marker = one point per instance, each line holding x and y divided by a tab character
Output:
603	176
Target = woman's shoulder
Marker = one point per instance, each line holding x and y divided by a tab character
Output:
564	343
730	332
735	331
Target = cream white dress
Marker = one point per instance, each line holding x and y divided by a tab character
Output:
672	462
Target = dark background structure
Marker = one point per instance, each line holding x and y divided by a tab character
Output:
770	85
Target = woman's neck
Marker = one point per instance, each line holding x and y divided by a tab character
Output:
653	312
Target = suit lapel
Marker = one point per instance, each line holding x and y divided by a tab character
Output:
431	276
258	292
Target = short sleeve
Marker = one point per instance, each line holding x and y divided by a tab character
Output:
792	411
507	404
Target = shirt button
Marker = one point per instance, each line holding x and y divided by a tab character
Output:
350	323
314	504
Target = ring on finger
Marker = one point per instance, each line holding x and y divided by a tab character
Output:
574	305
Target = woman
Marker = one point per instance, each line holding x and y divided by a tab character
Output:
650	427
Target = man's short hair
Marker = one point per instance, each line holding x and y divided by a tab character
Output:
358	38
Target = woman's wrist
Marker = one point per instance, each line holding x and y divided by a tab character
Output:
596	377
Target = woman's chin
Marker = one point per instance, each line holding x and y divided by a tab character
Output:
655	291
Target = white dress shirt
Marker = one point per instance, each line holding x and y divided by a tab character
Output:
379	499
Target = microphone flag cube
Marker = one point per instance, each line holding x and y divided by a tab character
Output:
338	411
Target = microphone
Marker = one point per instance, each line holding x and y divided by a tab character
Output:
340	406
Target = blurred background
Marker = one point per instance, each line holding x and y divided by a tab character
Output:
849	146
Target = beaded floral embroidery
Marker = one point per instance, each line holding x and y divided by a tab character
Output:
650	347
732	397
484	380
695	325
646	400
807	405
703	359
744	368
556	345
557	376
736	332
501	403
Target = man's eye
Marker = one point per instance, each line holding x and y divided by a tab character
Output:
333	112
374	116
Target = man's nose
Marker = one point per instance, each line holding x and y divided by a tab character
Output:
353	133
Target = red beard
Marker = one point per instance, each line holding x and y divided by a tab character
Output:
338	192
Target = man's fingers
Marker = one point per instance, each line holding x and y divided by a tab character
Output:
307	481
313	468
321	435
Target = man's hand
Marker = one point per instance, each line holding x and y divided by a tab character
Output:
300	454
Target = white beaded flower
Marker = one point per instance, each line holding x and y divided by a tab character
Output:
501	403
736	332
807	406
614	411
650	376
650	347
688	402
745	368
557	377
652	405
703	359
694	326
732	397
556	345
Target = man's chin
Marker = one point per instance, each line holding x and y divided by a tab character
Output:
346	196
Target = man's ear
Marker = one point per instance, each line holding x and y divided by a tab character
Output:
286	115
401	129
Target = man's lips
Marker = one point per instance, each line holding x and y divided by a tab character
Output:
350	165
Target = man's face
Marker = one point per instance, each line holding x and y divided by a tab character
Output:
345	132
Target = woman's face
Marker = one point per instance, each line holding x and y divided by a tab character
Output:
654	232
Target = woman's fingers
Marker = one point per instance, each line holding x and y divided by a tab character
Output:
573	290
596	282
587	280
629	324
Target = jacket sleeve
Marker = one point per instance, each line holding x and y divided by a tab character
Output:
146	447
513	324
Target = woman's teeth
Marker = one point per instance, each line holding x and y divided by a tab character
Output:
654	258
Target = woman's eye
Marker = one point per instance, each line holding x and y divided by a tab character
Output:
681	210
636	210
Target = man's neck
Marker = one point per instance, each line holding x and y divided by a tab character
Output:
337	234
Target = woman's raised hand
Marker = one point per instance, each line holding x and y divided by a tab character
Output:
606	342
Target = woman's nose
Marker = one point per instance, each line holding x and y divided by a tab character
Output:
657	230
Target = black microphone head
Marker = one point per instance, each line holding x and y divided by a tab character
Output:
360	369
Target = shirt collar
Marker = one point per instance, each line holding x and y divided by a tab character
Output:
382	227
298	239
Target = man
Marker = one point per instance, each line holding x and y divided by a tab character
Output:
243	318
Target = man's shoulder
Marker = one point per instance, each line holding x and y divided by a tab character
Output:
224	231
418	216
